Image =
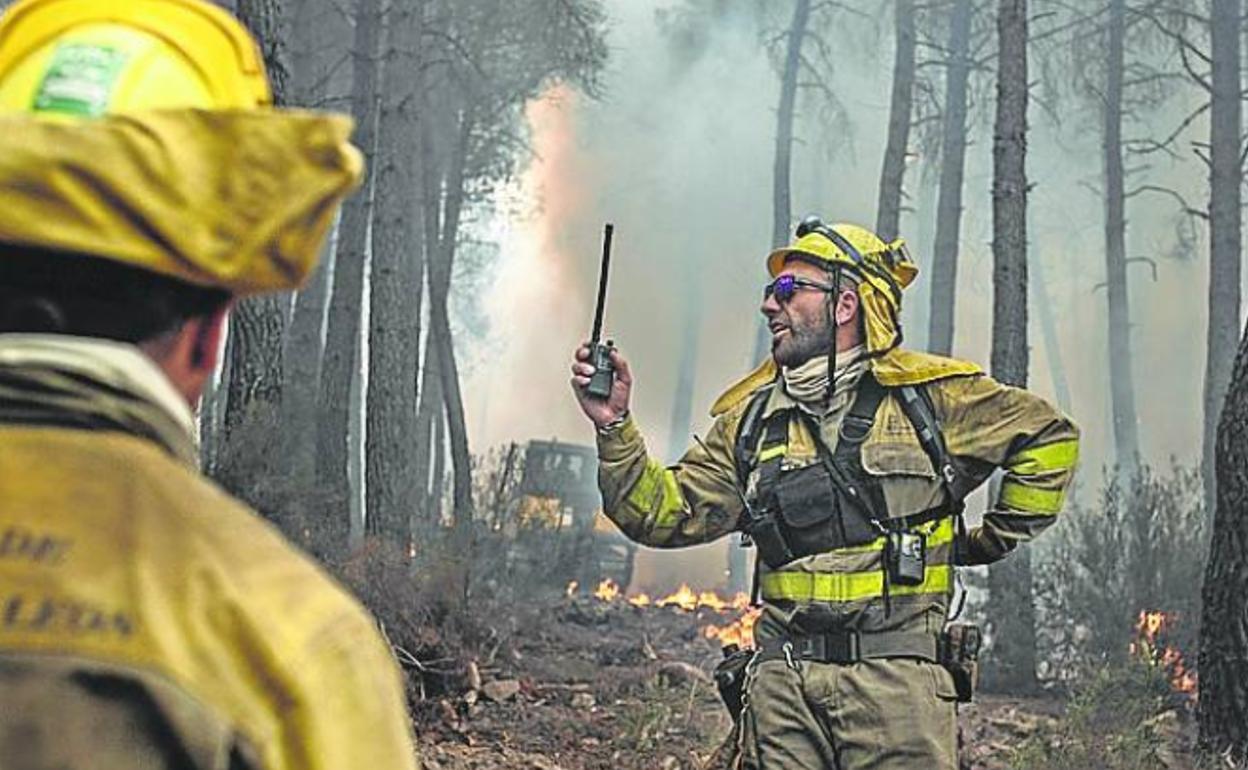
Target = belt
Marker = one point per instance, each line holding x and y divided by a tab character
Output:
845	647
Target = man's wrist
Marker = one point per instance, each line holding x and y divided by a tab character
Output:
615	424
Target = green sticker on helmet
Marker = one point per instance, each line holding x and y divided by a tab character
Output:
80	79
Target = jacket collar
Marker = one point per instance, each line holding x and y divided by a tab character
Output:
88	381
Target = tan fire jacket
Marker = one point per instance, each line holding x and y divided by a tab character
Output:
147	619
986	426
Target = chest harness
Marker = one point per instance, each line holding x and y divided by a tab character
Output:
834	503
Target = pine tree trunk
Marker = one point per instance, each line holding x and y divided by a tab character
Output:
431	406
257	325
340	361
892	175
254	389
1012	664
1225	223
211	406
952	170
437	486
782	206
440	270
302	365
686	369
1039	293
396	287
316	30
1223	706
1121	385
429	415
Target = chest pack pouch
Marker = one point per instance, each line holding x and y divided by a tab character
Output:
834	503
824	506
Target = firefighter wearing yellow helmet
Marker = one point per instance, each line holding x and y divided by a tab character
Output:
844	459
146	618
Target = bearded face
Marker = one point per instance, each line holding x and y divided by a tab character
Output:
800	325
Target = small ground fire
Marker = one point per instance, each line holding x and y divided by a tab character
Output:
739	632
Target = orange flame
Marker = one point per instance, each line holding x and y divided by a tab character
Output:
740	632
684	598
1151	647
608	590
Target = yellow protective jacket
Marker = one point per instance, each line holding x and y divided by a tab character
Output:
147	619
985	425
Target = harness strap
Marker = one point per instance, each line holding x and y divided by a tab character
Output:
845	647
917	405
747	433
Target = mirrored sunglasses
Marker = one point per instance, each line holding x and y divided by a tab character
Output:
785	286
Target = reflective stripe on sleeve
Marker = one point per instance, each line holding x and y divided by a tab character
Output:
1060	455
1027	499
657	494
848	586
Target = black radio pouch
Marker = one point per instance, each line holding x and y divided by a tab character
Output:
957	649
730	678
905	557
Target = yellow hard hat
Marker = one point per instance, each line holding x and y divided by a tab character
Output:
142	131
883	269
87	58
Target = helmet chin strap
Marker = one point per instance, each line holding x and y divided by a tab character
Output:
833	300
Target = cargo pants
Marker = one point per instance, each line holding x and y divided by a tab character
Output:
878	714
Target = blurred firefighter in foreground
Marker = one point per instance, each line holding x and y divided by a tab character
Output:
844	459
148	620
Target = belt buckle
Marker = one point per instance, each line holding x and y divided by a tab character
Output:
842	647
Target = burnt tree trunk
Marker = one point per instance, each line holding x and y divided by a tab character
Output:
441	268
952	169
257	325
1038	287
437	485
302	365
431	407
340	360
1121	385
1225	224
396	288
1012	664
211	410
781	190
1223	706
686	369
893	173
316	29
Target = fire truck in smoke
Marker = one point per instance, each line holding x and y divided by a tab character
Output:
559	533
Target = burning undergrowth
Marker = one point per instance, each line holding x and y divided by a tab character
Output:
569	681
733	626
1133	714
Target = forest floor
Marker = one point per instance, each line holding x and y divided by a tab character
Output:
579	683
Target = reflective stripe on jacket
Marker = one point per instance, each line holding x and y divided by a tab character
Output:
986	426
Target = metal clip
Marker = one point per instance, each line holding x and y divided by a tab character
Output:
788	656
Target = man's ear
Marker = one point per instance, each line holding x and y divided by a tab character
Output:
847	306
